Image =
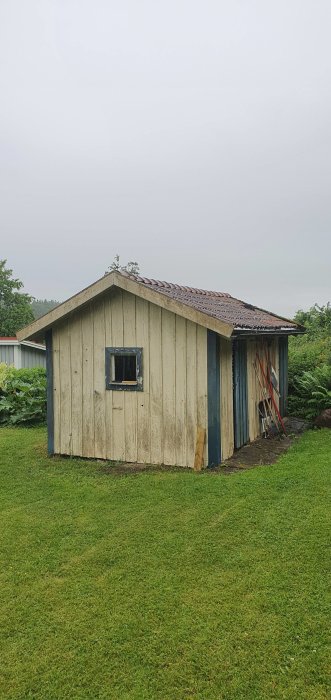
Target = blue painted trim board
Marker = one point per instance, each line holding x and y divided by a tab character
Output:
240	406
214	399
50	400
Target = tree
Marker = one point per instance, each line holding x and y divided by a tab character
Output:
42	306
132	267
317	320
15	306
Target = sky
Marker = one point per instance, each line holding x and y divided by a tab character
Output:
193	136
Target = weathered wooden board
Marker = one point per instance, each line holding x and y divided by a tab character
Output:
99	341
199	448
180	418
65	390
156	384
227	430
76	359
118	396
88	384
191	391
143	398
168	385
202	407
130	398
56	390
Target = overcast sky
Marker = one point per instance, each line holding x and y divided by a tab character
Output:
191	135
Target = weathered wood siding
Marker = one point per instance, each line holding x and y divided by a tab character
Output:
255	393
157	425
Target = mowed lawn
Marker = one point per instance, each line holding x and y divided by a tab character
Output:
163	585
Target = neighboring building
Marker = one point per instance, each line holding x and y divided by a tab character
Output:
142	371
22	354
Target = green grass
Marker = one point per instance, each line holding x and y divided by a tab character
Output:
165	585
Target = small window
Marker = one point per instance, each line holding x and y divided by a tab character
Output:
124	369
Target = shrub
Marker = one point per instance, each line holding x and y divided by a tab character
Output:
307	356
22	396
315	388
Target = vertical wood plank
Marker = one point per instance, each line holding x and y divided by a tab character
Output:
118	396
56	391
199	448
76	359
283	374
130	397
108	394
191	391
65	370
50	392
99	382
227	424
275	363
143	398
88	406
180	415
202	409
214	388
168	382
155	377
251	389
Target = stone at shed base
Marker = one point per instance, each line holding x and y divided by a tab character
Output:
324	419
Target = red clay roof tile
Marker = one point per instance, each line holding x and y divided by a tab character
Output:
222	306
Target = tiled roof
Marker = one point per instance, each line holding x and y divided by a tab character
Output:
222	306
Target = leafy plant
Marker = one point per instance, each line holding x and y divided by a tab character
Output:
310	363
4	370
314	391
22	396
132	267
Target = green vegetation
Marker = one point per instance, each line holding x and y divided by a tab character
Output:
15	306
22	395
310	363
43	306
131	267
164	585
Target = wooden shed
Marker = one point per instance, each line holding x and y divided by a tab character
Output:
144	371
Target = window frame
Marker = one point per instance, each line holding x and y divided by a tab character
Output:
121	386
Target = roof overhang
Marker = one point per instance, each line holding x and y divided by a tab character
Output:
283	330
25	343
38	328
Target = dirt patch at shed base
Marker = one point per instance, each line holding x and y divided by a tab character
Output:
263	450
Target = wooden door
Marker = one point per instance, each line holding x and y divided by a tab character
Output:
240	407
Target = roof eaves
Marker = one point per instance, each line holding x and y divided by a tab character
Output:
273	330
123	281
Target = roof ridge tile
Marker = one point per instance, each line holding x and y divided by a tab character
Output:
183	288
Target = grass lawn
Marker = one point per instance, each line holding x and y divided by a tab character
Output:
165	585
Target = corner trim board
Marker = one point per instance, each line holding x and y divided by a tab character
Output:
214	399
50	386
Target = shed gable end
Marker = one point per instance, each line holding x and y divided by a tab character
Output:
156	425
